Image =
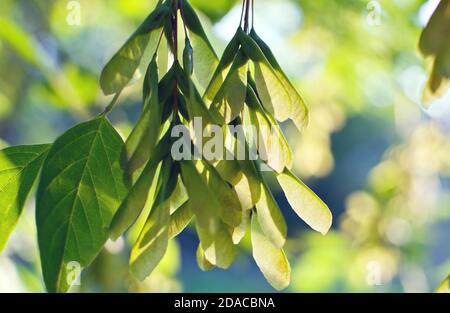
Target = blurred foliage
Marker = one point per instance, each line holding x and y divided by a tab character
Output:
377	157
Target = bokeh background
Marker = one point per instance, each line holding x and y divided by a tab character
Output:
378	159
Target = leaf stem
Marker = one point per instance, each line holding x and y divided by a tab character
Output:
247	16
159	43
242	12
175	7
111	105
253	13
184	18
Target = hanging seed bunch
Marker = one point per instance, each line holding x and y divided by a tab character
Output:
223	198
93	186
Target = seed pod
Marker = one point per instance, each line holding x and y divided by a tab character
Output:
188	57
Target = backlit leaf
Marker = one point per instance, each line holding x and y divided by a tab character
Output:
81	187
19	167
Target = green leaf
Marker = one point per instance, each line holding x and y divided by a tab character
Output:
299	111
270	217
19	168
142	140
308	206
152	243
230	98
444	287
81	187
218	247
202	262
205	58
180	219
277	94
272	145
121	68
222	70
270	259
136	199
